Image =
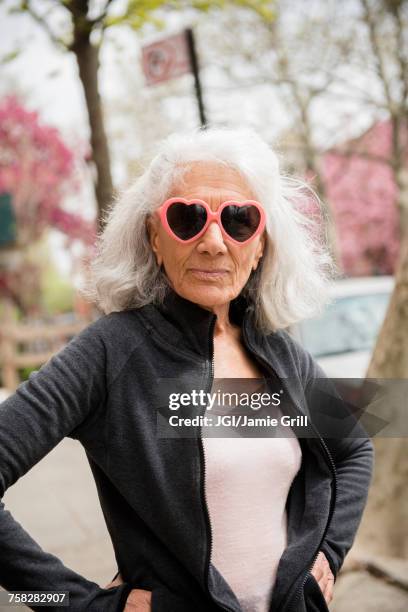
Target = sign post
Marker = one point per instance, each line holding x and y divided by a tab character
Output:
171	57
194	68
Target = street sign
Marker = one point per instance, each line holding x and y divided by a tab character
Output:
171	57
166	59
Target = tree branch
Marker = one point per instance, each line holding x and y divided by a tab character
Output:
401	60
376	49
43	23
99	21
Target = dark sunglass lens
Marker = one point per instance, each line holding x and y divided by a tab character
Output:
240	222
186	220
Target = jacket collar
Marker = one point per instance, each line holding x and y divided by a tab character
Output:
185	323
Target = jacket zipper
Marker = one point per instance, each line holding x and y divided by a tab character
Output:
331	463
309	570
203	493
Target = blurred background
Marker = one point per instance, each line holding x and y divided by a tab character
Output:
88	88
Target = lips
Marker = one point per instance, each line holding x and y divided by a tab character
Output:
215	271
208	274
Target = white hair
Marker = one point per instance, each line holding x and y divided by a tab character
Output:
292	278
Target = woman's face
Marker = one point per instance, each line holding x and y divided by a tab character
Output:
212	270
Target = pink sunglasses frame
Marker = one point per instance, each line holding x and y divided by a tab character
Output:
211	216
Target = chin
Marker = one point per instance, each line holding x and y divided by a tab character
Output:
208	295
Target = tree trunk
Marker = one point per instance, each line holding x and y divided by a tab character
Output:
87	57
386	516
390	357
401	179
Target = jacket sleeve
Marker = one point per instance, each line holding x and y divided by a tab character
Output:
56	401
353	458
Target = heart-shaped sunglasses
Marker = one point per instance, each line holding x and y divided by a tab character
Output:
186	220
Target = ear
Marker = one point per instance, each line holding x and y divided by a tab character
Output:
153	233
259	252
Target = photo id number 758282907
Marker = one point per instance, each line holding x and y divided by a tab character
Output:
39	598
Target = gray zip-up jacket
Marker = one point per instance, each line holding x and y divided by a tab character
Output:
103	389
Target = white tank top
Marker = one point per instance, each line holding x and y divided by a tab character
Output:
247	481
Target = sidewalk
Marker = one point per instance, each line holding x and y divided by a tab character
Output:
57	503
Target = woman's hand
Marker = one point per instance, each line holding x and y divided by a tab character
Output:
138	600
324	576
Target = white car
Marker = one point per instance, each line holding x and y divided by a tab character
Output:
343	337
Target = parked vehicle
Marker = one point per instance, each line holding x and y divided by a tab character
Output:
343	337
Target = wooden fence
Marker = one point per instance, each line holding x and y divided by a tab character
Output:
42	340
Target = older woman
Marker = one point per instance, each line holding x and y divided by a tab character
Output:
200	267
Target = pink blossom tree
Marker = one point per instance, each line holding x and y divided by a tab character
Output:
37	169
361	188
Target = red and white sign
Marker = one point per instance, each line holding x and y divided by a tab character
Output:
166	59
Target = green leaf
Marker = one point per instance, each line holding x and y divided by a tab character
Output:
9	57
139	12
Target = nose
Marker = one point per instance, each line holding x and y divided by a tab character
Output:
212	241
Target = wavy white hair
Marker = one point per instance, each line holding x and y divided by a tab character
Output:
291	282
